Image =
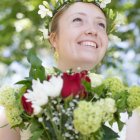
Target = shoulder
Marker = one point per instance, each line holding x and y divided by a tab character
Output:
6	132
3	119
133	127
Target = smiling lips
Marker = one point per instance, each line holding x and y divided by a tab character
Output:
88	43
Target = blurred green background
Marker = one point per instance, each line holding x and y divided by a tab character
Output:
19	31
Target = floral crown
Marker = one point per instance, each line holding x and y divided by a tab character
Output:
50	8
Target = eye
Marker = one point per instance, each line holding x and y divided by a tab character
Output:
102	25
77	20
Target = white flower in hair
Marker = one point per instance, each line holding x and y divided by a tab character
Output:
104	3
43	12
45	33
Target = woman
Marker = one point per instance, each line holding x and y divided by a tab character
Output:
80	39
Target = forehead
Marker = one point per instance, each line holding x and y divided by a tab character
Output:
85	8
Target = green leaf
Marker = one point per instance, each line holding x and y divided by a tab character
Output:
25	82
35	125
117	118
58	71
33	59
109	134
38	72
36	135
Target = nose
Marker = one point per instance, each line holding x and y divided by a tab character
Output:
91	30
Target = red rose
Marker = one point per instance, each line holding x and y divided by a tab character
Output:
27	105
84	76
72	84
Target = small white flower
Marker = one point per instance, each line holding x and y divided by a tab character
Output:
96	79
104	3
45	33
40	119
107	1
43	12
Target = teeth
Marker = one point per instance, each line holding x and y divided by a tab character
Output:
87	43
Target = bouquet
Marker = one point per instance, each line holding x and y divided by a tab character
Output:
57	105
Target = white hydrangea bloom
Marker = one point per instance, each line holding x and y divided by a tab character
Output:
108	108
96	79
110	105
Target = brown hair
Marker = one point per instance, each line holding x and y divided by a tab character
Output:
55	19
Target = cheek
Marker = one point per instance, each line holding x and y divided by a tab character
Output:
104	40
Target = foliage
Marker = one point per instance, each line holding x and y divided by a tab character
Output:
19	31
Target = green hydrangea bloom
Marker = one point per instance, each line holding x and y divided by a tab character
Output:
13	116
114	86
87	117
8	100
133	100
108	108
7	96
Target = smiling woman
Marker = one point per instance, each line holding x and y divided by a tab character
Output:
78	34
81	39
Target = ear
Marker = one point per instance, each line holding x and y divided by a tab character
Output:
53	40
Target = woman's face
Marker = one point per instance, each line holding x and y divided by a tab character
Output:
81	40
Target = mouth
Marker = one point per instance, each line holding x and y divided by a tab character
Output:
88	44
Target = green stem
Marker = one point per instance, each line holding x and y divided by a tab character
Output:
58	134
49	138
3	126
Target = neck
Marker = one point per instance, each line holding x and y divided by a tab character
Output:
75	68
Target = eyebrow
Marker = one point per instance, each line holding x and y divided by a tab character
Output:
98	17
80	13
